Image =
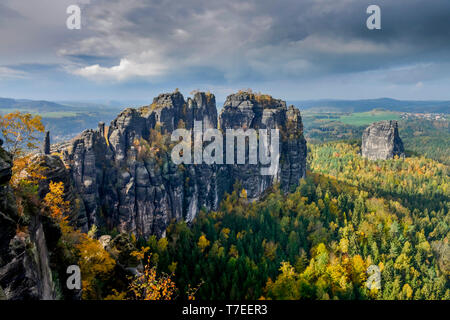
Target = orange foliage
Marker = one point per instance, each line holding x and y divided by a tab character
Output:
56	207
149	286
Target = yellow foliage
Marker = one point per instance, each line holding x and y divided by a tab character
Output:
150	286
225	232
54	201
95	263
343	245
203	242
140	254
162	244
19	131
56	207
407	292
25	171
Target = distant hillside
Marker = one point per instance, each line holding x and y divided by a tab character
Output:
370	104
66	119
32	105
63	120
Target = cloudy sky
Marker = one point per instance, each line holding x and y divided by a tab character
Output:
292	49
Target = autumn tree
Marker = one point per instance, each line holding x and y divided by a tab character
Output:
54	203
20	131
151	286
96	265
95	262
203	242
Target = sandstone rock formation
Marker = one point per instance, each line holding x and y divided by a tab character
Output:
24	258
247	110
121	177
54	170
127	184
5	166
381	141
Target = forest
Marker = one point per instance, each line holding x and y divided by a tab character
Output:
316	242
429	138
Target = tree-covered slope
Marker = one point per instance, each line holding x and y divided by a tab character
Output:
318	242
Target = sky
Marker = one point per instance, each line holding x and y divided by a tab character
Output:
291	49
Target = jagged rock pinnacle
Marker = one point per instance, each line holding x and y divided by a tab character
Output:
47	143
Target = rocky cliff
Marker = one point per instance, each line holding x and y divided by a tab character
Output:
127	181
247	110
25	272
381	141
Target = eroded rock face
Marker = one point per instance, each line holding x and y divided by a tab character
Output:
28	275
5	166
54	170
247	110
8	211
381	141
24	258
122	187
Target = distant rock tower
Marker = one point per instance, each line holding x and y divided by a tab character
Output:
47	142
101	128
381	141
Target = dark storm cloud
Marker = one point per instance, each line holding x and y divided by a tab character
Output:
232	40
261	38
